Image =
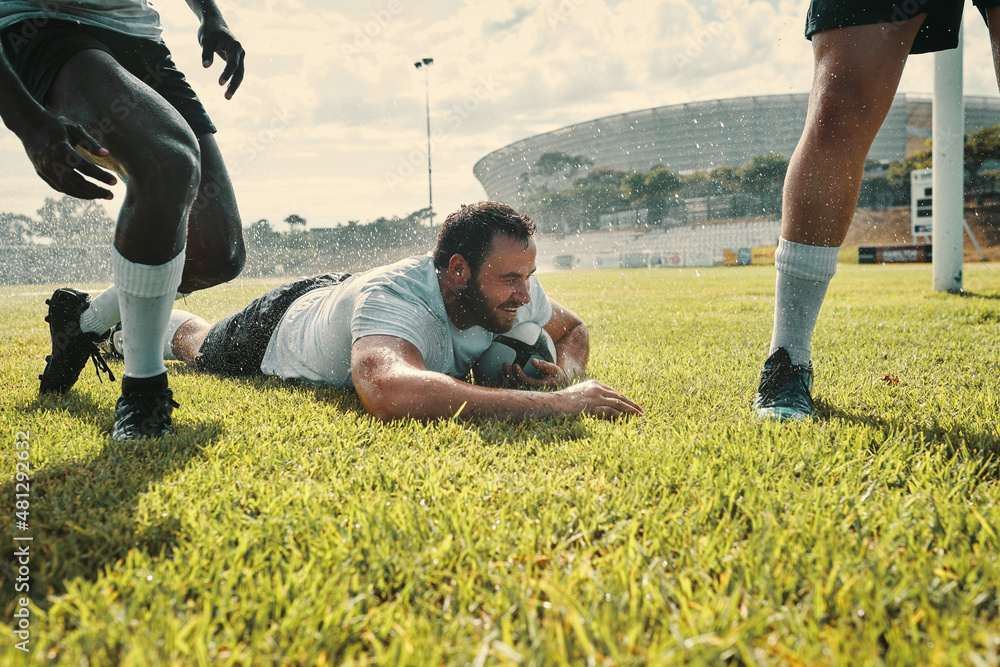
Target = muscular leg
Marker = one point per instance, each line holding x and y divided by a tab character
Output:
152	149
157	156
215	250
857	71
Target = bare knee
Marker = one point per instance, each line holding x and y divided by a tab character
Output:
170	174
198	276
189	338
842	116
210	266
849	100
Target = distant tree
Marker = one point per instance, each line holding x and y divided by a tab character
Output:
15	229
294	221
652	188
877	192
551	210
260	233
605	176
554	162
661	184
419	216
728	176
763	173
981	146
557	162
548	169
874	167
600	191
70	221
701	184
898	173
634	187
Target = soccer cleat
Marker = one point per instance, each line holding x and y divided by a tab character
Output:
143	414
71	347
784	391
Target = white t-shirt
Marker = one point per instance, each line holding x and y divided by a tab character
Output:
313	340
130	17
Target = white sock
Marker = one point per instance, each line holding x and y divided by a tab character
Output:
804	273
145	295
103	312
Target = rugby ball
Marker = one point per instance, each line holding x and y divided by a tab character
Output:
518	346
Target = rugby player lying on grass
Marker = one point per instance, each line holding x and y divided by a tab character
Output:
406	335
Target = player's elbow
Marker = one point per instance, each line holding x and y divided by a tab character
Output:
383	410
574	349
380	395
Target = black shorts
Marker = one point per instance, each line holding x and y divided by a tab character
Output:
939	31
39	49
236	344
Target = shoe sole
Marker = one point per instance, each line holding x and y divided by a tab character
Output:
48	385
781	414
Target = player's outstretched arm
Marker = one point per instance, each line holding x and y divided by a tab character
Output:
50	141
392	381
215	37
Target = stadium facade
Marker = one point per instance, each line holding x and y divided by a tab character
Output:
705	135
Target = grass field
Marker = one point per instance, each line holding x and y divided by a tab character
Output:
280	524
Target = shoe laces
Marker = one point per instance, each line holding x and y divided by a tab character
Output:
774	379
100	364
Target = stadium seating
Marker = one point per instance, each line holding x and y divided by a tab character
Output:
695	245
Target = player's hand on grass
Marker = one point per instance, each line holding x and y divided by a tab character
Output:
51	145
216	38
553	375
598	399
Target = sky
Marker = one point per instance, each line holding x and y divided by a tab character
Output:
330	122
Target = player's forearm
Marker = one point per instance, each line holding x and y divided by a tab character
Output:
430	395
205	10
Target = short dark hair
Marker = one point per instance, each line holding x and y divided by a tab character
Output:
470	230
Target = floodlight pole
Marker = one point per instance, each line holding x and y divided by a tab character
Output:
425	63
947	156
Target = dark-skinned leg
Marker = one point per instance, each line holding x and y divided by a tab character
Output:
158	157
152	149
215	249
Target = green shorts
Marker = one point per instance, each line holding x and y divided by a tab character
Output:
939	31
